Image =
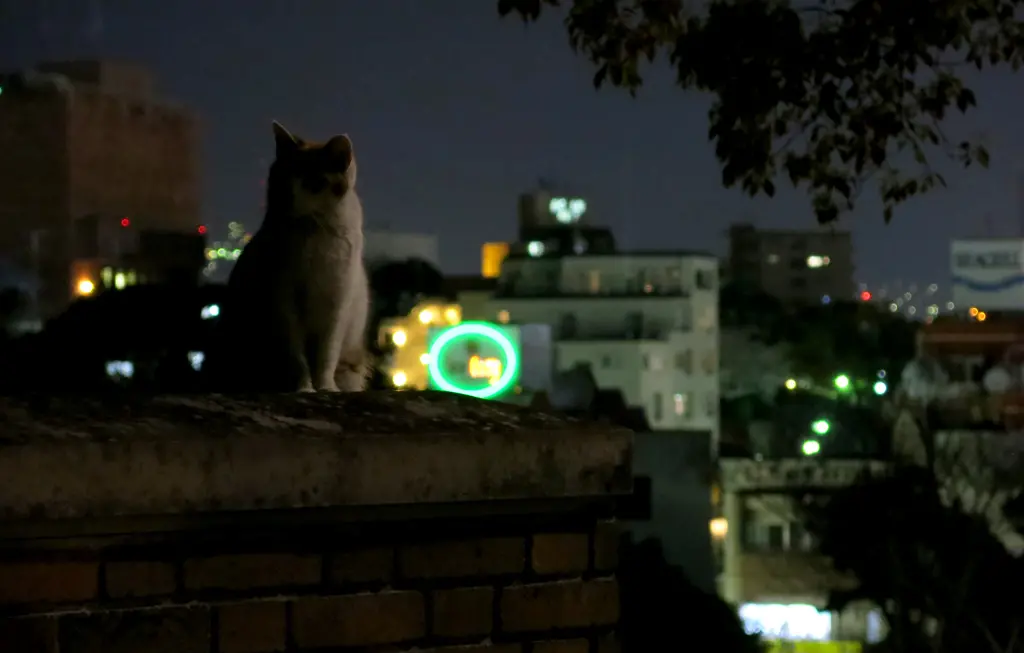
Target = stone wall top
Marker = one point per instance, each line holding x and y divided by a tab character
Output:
118	456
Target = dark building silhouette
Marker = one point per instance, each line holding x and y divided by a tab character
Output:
95	170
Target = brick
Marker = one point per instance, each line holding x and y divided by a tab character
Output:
607	537
37	635
609	644
560	553
363	566
238	572
358	619
48	582
475	648
253	627
174	630
487	557
139	578
562	604
562	646
463	612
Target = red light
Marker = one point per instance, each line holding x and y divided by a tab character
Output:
865	296
125	222
202	229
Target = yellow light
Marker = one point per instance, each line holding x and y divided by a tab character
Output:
425	359
981	316
973	311
85	287
485	368
452	315
399	338
503	317
719	528
399	379
426	316
790	384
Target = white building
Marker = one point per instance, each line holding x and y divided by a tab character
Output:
646	323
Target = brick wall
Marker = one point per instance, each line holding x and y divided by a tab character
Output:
307	523
548	592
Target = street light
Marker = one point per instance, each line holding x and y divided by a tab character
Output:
821	427
880	388
842	382
810	447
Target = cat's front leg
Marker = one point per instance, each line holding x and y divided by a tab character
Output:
300	371
325	361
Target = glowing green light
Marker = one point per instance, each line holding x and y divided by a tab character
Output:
509	366
810	447
842	382
880	388
821	426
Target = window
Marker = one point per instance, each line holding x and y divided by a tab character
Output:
656	363
711	407
773	259
595	281
606	361
503	317
680	403
709	362
705	280
684	361
656	407
776	537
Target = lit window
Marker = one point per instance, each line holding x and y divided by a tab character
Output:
119	280
503	317
773	259
107	275
594	277
680	403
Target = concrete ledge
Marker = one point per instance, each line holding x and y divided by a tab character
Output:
122	456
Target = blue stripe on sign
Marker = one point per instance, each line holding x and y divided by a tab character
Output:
990	286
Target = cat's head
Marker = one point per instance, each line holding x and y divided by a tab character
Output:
309	178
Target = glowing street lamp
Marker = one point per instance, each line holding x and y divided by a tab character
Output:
821	427
810	447
842	382
790	384
880	388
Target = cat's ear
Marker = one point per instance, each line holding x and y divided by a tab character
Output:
340	149
284	140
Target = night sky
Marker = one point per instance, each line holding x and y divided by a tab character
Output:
454	112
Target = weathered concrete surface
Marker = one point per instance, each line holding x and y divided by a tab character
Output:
72	457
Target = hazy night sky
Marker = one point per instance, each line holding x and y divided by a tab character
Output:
454	112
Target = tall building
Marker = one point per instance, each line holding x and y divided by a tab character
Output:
796	266
97	172
645	323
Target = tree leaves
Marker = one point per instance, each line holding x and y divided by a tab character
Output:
832	96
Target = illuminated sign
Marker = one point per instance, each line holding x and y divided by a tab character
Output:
478	359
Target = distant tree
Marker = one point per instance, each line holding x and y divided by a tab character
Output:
828	94
943	581
658	598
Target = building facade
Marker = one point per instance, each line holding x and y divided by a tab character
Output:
769	567
644	323
87	147
796	266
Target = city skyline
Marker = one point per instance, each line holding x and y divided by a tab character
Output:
456	112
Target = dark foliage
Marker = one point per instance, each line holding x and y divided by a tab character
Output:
856	338
657	598
827	94
914	556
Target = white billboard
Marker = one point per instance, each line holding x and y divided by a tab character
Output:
988	273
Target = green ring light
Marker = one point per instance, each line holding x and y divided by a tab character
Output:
480	330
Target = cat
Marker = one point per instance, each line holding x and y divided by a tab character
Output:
298	297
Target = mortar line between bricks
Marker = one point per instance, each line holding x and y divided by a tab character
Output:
198	603
214	631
